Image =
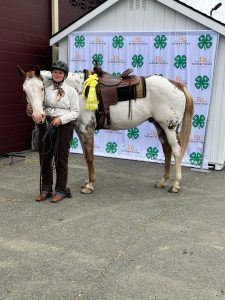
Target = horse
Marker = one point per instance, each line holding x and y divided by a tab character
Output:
167	104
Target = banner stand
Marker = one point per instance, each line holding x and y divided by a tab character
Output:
202	169
186	56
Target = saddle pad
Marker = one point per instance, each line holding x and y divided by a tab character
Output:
133	92
140	88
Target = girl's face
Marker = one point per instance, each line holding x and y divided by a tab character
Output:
58	75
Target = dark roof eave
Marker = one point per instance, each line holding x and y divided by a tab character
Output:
76	20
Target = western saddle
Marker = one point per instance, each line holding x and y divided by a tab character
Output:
112	89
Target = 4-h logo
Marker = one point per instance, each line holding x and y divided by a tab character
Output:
118	42
202	82
74	143
133	133
180	62
97	59
79	41
96	131
137	61
196	158
198	121
114	74
205	41
160	41
152	153
111	147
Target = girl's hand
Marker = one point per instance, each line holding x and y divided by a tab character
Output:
29	110
56	122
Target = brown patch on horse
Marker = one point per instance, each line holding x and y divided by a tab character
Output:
177	84
31	74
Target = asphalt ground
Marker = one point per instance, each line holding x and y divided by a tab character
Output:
127	240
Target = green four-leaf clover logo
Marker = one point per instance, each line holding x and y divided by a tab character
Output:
196	158
160	41
205	41
180	62
152	153
114	74
202	82
137	61
79	41
198	121
133	133
97	59
118	42
74	143
96	131
111	147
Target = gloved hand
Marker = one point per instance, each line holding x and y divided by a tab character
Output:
29	110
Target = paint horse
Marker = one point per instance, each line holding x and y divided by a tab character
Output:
168	105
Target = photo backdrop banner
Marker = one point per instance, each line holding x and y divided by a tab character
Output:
186	57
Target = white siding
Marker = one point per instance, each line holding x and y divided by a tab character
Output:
63	49
216	128
156	17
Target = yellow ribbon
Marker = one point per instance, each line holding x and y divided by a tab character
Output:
92	101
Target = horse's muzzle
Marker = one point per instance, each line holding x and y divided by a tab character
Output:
40	119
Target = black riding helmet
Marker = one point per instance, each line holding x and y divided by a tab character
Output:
60	65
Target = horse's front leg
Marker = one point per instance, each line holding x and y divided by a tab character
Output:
87	141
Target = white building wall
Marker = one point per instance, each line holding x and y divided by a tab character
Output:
148	15
216	128
63	49
153	17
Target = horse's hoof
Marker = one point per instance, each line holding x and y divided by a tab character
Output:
86	190
159	185
84	184
173	190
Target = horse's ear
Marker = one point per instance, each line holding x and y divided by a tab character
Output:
21	72
37	71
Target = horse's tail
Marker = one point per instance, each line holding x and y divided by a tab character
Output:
187	122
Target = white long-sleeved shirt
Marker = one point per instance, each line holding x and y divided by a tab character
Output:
66	108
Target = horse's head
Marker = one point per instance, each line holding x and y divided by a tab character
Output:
33	87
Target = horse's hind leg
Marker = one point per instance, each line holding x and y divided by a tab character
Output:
87	142
173	140
167	152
